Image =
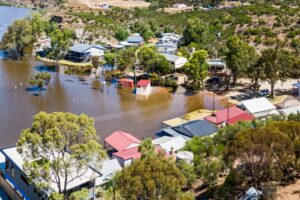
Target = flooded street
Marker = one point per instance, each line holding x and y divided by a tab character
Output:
112	109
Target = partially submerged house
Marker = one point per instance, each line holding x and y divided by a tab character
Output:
17	184
143	87
259	107
125	82
176	61
173	122
190	129
84	52
230	116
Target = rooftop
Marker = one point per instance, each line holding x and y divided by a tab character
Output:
80	48
196	128
120	140
135	38
167	143
126	154
143	83
89	174
290	110
232	114
174	122
258	105
171	58
109	167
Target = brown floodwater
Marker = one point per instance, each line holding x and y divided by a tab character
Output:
113	109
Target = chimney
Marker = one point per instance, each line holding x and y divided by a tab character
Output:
172	151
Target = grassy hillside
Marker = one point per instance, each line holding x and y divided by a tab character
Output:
262	25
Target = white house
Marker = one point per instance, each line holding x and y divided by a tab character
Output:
143	87
79	51
259	107
180	5
15	178
290	110
176	61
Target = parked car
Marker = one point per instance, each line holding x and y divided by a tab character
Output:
264	92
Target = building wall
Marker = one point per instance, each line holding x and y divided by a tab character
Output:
28	189
263	113
180	62
96	52
143	90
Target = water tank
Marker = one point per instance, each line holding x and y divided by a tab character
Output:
185	156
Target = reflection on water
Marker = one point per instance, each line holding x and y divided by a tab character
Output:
113	109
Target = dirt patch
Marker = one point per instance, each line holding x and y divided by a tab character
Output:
95	4
290	192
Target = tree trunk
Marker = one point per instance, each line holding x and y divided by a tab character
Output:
273	90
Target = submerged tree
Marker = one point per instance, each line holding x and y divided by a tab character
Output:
17	37
58	148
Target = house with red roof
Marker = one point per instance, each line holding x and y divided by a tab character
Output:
127	156
119	141
230	115
143	87
122	146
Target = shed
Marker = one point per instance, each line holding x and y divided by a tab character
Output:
143	87
259	107
186	156
126	82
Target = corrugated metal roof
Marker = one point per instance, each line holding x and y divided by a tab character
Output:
120	140
196	128
258	105
80	48
171	58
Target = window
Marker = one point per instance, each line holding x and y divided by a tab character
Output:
24	179
12	171
7	165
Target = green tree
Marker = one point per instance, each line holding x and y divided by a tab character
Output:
197	68
151	178
188	171
38	24
276	64
144	29
60	44
146	148
261	154
239	57
126	59
121	33
153	62
58	148
196	31
110	58
17	37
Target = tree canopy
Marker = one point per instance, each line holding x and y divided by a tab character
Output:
58	148
151	178
197	68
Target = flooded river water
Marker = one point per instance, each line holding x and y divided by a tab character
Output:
112	109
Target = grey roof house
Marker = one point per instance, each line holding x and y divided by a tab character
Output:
83	52
133	40
190	129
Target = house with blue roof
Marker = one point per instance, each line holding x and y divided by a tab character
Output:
84	52
134	40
